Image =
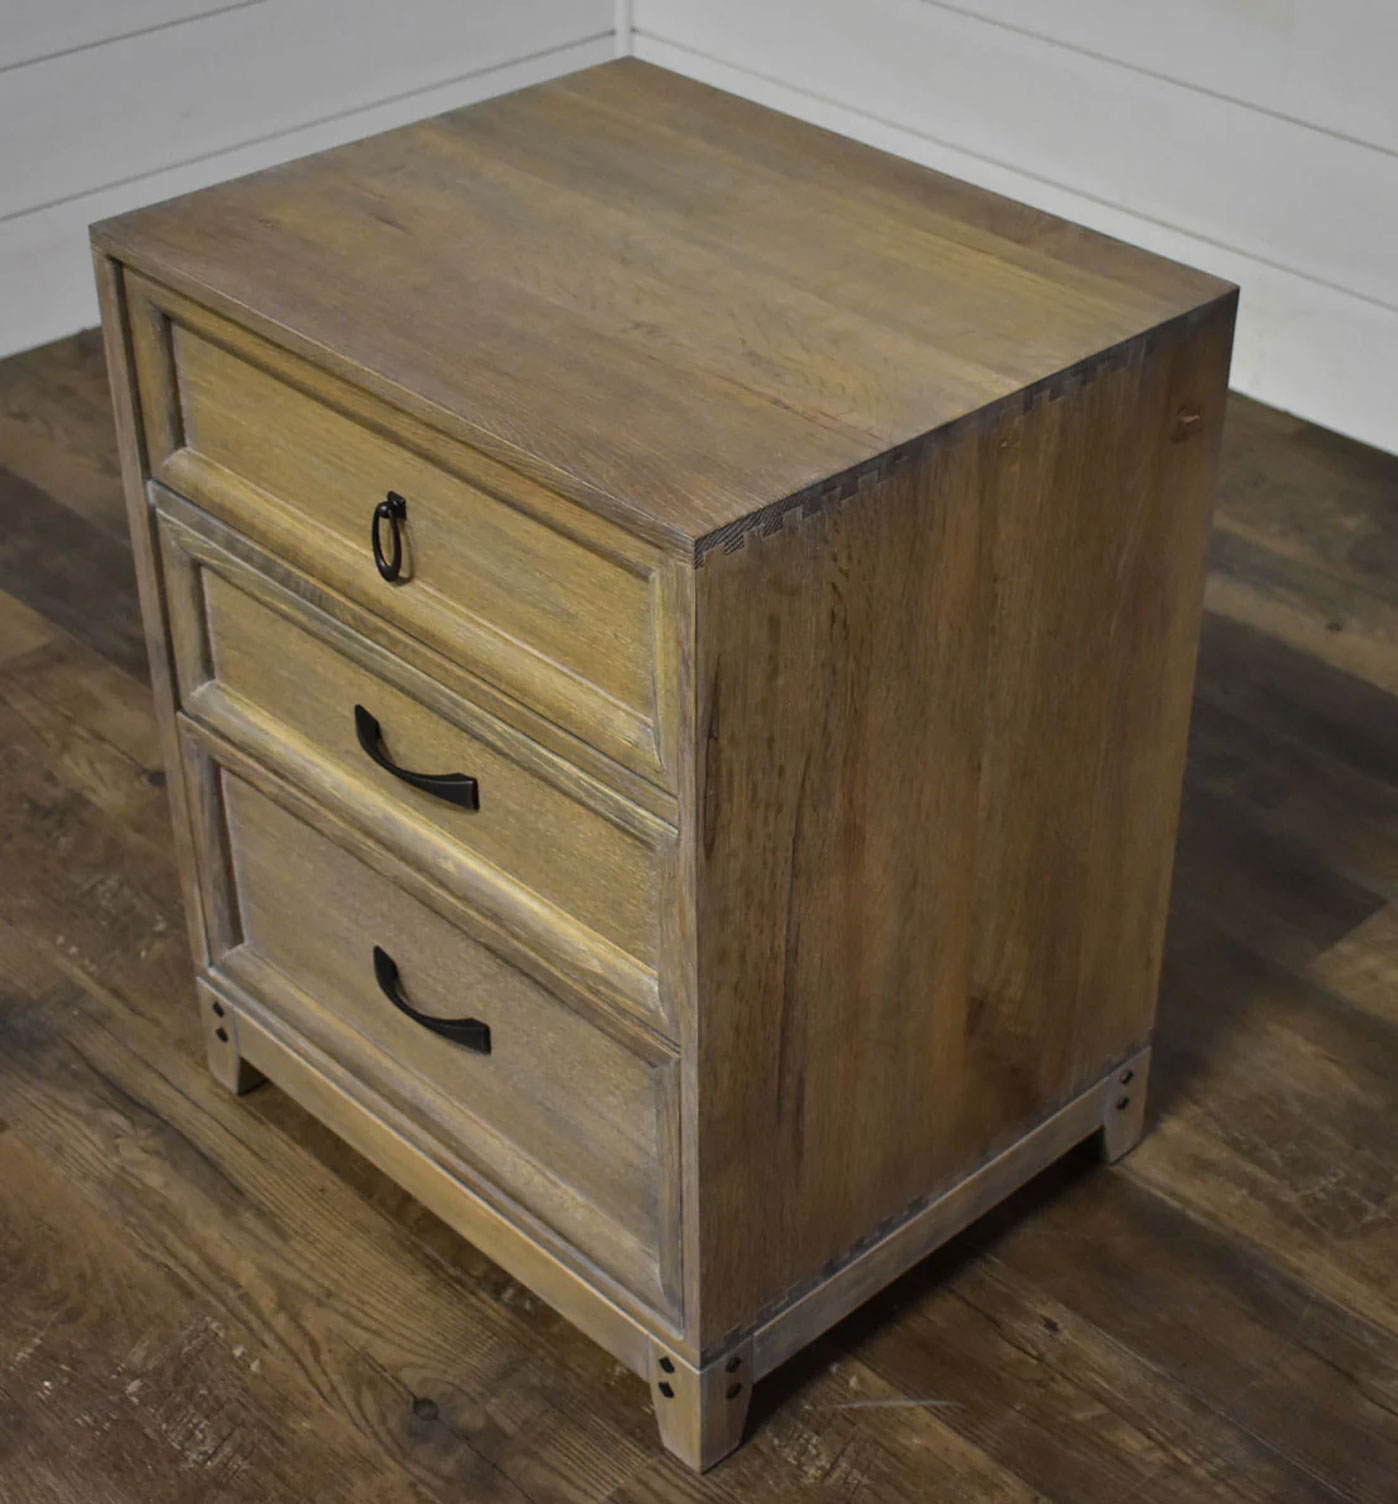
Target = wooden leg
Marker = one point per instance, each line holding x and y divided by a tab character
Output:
1124	1115
226	1063
701	1412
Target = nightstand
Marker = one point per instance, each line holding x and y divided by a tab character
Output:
674	634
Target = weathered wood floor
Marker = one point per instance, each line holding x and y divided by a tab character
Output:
204	1299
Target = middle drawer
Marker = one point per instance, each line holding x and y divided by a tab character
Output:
567	864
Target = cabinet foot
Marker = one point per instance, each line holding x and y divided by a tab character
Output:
701	1412
226	1063
1124	1115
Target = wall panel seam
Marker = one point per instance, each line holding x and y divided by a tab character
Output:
126	36
304	125
1166	78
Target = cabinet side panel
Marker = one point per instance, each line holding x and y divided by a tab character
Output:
1101	533
840	681
941	733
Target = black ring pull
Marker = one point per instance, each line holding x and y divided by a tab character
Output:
470	1032
392	510
455	788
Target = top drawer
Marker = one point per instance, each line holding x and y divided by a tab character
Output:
554	607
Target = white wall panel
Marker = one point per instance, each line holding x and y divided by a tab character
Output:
162	97
46	284
1304	220
31	29
109	104
1329	63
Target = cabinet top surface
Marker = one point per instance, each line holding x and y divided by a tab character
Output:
679	305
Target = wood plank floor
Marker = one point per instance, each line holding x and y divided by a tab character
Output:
205	1299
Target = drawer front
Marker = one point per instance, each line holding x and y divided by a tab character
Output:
564	1119
549	605
569	866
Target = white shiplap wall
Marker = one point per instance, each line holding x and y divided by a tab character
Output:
107	104
1255	138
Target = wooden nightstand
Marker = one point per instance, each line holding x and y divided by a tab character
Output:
674	635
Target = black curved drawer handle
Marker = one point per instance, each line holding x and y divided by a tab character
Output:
470	1032
455	788
392	510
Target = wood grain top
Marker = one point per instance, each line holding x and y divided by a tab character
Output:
678	306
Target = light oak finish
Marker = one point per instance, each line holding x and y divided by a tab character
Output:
701	1412
439	1180
562	1118
228	1061
1115	1105
672	305
557	857
979	685
805	552
540	600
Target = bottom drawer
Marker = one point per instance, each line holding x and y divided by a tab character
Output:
564	1119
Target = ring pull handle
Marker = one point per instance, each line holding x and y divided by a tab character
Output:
455	788
470	1032
392	510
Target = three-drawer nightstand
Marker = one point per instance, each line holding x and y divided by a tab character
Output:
674	634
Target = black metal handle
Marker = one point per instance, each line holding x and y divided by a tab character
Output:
392	510
470	1032
455	788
